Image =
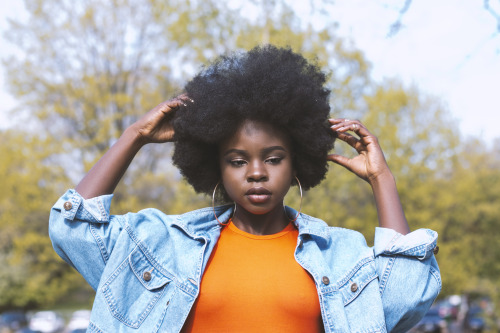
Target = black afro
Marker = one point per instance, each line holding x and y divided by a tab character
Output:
269	84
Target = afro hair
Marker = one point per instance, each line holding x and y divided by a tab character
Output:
268	84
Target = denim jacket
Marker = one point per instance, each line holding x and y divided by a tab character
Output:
146	267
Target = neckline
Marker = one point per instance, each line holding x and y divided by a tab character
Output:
290	227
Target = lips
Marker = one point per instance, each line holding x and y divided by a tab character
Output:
258	195
258	191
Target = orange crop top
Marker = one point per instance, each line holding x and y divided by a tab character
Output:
252	283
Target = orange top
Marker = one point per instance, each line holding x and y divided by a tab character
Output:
253	284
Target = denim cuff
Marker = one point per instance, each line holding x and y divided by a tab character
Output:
75	207
419	243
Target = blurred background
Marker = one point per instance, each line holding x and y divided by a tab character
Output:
423	76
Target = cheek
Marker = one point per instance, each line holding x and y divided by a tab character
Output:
289	172
230	182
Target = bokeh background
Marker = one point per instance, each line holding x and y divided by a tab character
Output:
423	76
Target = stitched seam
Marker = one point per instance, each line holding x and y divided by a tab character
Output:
102	211
392	242
437	276
93	327
137	274
160	322
100	243
147	254
360	289
387	273
112	304
353	271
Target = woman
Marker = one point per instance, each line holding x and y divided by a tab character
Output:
248	127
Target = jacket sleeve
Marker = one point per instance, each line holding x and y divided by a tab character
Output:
83	233
409	275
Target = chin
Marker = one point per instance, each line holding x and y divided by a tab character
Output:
258	210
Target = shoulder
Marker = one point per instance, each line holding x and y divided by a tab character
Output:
148	220
151	215
340	247
320	229
194	224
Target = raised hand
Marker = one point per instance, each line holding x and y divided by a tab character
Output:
370	165
370	162
156	125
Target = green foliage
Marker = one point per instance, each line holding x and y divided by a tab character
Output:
89	69
32	273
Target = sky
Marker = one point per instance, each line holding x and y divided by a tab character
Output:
447	48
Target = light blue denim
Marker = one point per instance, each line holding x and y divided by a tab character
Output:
384	288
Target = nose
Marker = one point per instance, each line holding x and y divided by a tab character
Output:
257	172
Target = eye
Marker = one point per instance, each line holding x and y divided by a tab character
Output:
274	160
237	163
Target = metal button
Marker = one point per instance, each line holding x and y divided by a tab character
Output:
68	205
146	276
436	250
325	280
354	287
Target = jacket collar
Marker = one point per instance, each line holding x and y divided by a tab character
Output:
308	225
199	222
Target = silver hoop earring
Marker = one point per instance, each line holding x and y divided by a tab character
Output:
213	206
300	205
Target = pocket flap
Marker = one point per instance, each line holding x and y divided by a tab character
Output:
356	281
149	274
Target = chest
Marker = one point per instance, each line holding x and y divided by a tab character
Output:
256	283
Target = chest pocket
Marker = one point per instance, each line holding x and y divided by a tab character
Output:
361	297
135	287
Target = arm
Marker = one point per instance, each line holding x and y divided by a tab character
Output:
81	229
402	262
155	126
371	166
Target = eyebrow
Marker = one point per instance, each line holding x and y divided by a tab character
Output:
264	151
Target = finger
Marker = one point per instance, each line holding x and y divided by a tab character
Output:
348	138
185	98
344	125
167	109
340	160
179	101
337	120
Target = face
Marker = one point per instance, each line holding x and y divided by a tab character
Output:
256	167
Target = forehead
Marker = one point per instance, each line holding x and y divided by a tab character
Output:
256	133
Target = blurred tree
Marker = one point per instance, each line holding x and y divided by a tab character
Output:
87	70
418	139
445	184
470	226
31	273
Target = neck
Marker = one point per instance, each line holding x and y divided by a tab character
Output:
263	224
